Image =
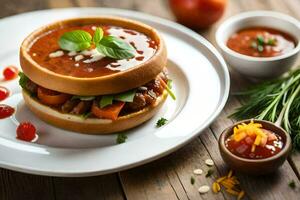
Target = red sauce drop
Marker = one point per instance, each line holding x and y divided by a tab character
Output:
6	111
140	58
4	93
243	148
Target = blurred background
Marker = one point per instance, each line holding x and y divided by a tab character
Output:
193	13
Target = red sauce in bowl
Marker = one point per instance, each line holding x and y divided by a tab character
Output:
47	43
243	148
261	42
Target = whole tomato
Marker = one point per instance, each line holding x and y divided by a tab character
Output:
198	14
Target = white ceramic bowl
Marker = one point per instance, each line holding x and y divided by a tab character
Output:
259	67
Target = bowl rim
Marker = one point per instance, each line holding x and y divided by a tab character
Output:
285	149
239	18
99	85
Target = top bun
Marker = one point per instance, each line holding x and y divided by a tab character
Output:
107	84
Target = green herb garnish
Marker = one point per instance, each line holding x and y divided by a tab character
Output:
77	40
260	42
292	184
267	100
162	121
23	80
121	138
98	35
109	46
168	88
209	173
192	180
114	47
23	83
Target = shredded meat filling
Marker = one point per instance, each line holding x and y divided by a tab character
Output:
146	95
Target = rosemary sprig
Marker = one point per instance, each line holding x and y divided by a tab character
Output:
267	100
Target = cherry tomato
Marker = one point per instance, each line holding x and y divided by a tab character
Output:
4	93
26	131
10	72
51	97
198	14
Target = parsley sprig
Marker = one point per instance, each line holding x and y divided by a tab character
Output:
162	121
109	46
121	138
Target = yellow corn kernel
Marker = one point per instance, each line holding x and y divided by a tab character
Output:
241	195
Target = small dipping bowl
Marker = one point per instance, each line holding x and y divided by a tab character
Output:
259	67
255	166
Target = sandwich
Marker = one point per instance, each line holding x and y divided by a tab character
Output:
95	75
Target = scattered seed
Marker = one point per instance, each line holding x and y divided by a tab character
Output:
203	189
209	162
198	171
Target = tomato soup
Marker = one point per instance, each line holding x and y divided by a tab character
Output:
261	42
46	52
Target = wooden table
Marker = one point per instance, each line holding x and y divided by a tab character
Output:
169	177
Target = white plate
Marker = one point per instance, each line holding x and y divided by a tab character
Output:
201	84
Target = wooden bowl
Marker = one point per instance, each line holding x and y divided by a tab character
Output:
255	166
109	84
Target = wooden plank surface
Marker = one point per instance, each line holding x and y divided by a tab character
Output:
169	177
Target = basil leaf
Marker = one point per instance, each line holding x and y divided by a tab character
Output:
126	96
75	40
106	100
83	98
116	43
98	35
114	47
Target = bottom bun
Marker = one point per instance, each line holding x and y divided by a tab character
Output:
92	125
